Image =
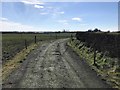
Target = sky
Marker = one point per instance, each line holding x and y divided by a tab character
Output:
29	15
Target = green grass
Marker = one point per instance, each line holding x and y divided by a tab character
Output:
16	61
14	43
14	52
107	67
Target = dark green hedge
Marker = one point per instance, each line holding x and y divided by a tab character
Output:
103	42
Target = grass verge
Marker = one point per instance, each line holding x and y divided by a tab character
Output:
106	67
16	61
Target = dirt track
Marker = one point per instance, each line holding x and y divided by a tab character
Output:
54	65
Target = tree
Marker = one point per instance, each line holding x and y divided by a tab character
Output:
108	31
96	30
89	30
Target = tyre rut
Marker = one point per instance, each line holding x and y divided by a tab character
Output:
52	66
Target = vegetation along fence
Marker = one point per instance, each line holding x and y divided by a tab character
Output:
107	43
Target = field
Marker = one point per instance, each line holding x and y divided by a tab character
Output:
98	50
14	42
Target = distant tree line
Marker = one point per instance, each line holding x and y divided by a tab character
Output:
95	30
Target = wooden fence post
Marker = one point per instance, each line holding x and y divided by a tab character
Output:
25	43
94	63
71	37
94	57
56	36
35	39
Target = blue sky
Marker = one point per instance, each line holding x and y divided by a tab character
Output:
56	16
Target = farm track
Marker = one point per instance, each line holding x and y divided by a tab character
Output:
54	65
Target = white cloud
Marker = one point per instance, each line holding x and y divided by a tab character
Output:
58	12
61	12
43	13
83	24
38	6
51	11
64	22
7	25
76	19
32	2
13	26
3	19
50	7
66	0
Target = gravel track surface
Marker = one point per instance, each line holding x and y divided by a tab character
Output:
54	65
